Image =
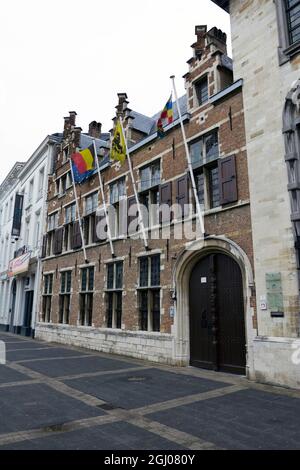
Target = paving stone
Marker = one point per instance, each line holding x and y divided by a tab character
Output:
25	345
133	390
78	365
248	419
8	375
42	353
115	436
33	406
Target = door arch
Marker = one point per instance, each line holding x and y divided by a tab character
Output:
216	314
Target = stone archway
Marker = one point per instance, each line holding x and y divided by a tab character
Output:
185	263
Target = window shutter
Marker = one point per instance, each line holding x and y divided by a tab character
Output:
98	220
227	180
76	236
131	227
58	241
165	198
44	247
182	194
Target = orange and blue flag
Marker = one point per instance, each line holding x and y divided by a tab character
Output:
83	164
165	118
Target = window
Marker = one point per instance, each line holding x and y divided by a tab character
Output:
41	183
52	221
63	185
205	149
117	211
117	191
86	296
91	203
293	20
52	225
30	191
149	195
65	297
149	293
204	156
201	88
114	295
65	154
150	176
288	21
47	298
70	213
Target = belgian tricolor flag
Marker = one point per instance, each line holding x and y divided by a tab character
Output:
83	163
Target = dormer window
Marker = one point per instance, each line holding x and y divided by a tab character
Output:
201	89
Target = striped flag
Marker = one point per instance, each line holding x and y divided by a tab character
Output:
83	163
165	118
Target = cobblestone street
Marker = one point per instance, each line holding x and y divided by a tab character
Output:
55	397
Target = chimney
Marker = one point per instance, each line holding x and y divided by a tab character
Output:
217	38
73	115
95	129
122	105
199	45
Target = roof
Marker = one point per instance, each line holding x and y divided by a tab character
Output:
11	178
142	123
147	124
86	140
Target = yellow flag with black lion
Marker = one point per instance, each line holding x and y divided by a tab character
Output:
118	145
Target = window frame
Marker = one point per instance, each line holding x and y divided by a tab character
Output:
86	297
150	291
196	84
286	49
65	297
114	295
47	298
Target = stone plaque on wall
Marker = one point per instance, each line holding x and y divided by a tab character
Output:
274	293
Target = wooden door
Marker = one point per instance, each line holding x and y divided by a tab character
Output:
217	329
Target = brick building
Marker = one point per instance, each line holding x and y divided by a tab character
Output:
177	301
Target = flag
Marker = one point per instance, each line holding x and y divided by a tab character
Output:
118	146
83	163
166	117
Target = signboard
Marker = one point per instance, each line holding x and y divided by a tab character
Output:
19	265
16	226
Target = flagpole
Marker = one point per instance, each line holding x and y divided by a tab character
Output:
78	212
103	199
140	221
199	212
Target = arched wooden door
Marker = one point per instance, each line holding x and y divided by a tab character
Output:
217	326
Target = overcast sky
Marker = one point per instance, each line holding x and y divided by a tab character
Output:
72	55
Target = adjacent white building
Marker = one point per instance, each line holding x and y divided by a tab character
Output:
266	55
23	196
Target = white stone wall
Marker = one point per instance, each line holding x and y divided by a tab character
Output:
36	170
266	84
154	347
277	361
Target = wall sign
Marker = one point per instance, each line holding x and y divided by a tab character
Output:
274	293
19	265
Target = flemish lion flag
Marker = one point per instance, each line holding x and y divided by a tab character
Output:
118	146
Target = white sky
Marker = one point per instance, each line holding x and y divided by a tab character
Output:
72	55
